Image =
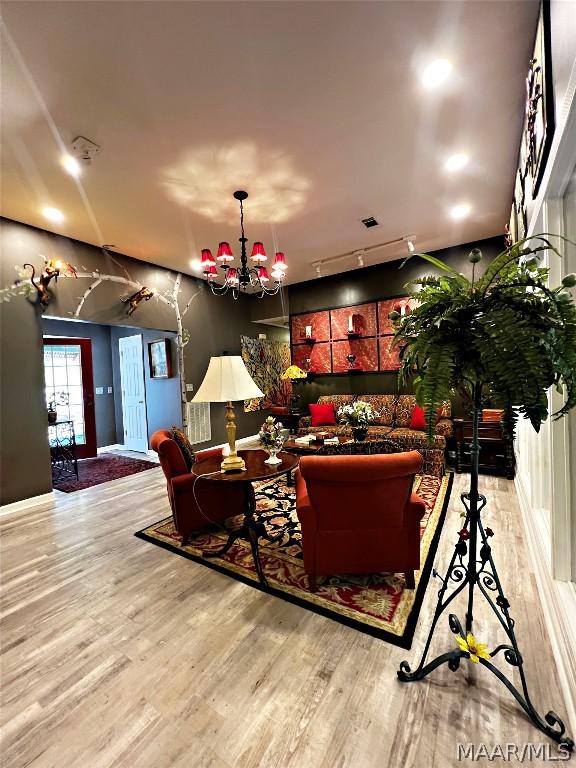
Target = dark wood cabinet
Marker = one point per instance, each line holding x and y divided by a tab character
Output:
496	447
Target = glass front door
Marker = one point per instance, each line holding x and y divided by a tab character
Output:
68	380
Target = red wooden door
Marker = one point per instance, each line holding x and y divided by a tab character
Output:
69	377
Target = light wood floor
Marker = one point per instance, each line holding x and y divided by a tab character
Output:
116	653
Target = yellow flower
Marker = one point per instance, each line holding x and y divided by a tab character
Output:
470	645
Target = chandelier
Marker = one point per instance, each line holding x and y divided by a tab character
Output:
241	278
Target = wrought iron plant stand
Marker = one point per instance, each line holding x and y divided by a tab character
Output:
477	572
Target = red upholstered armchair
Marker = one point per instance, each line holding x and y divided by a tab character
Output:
195	504
358	514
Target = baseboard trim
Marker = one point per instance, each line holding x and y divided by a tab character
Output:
114	447
558	600
33	501
241	441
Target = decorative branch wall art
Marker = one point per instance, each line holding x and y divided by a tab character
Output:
170	297
144	294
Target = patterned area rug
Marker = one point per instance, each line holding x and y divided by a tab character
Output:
100	469
377	604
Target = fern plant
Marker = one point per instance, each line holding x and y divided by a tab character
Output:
510	333
507	331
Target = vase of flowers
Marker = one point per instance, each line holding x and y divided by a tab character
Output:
271	438
359	415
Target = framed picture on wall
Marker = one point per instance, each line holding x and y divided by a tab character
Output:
539	124
159	359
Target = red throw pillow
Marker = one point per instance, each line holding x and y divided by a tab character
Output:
322	415
418	419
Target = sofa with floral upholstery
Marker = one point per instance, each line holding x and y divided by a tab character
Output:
393	423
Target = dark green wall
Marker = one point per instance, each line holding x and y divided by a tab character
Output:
380	281
215	325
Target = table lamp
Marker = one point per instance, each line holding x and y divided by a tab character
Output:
227	379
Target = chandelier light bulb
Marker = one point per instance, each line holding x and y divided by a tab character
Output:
232	277
263	275
258	253
224	253
280	262
207	259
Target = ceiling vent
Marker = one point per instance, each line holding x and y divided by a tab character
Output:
370	222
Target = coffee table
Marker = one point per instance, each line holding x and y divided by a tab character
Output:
256	469
302	449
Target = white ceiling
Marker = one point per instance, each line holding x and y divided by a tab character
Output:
315	108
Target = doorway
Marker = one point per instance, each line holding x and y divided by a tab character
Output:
133	393
68	380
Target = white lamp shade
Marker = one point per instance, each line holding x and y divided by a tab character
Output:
227	378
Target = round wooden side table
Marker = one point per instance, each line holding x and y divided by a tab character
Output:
256	469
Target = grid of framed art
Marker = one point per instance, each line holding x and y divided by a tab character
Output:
346	340
538	130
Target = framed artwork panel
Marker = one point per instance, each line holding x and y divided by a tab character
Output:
313	358
159	359
389	354
364	351
359	321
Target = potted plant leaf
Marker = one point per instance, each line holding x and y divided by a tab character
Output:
509	334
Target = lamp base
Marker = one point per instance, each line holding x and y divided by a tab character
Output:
233	464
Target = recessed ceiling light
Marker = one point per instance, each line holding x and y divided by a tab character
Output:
460	211
456	162
53	214
71	166
436	72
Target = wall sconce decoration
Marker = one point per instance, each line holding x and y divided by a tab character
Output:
354	324
52	270
308	332
144	294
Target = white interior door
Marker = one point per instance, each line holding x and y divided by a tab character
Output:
133	393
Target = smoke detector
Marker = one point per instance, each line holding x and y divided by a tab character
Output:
85	150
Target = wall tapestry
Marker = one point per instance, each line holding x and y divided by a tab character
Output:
266	361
